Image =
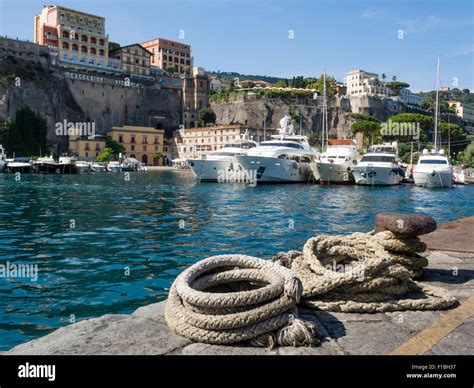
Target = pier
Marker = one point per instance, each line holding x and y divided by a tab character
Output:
442	332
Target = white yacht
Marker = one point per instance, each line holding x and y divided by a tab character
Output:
97	167
20	164
67	165
284	159
379	166
337	162
433	170
3	157
221	165
83	166
46	165
114	166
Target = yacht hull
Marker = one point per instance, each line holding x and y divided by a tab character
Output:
216	170
275	170
376	176
433	179
330	173
47	168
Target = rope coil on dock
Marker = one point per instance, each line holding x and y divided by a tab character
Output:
364	273
234	298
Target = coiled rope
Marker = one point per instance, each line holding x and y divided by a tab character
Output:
364	272
234	298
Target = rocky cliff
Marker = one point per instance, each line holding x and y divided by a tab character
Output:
56	98
253	111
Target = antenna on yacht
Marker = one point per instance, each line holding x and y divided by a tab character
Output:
436	108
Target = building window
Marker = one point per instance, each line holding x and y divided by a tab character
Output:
132	139
132	147
93	50
101	42
66	45
120	139
145	140
75	47
84	49
144	148
101	52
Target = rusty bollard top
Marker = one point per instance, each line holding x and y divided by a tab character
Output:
405	225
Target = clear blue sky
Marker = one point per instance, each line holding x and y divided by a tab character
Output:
252	36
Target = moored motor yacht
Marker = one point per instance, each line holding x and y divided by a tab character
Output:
379	166
83	166
221	165
46	165
67	165
284	159
433	170
336	163
3	157
114	166
97	167
20	164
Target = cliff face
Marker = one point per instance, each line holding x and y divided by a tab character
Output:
254	111
57	99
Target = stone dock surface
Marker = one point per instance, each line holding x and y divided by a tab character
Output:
445	332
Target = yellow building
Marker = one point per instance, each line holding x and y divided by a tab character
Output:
140	142
80	37
87	147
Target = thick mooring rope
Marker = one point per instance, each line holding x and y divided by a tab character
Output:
364	272
234	298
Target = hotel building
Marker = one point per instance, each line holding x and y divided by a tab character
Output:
168	54
140	142
78	36
134	59
363	83
192	142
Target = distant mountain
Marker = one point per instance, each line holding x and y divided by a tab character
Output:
229	75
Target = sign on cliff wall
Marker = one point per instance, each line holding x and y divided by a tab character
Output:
102	80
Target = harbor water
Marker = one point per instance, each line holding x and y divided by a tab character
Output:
103	244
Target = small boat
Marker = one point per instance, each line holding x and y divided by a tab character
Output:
20	164
142	167
46	165
67	165
459	178
3	157
379	166
114	166
97	167
130	164
83	166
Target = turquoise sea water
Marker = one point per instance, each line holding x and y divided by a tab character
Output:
135	224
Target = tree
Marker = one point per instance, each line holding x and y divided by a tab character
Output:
318	84
396	86
467	156
158	155
394	78
26	135
106	155
115	147
206	116
282	84
455	135
425	123
370	129
384	76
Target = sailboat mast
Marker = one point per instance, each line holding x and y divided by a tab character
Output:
436	107
325	115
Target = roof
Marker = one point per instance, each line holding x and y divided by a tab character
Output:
129	45
169	40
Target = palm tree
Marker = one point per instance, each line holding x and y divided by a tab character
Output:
384	76
394	78
159	156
